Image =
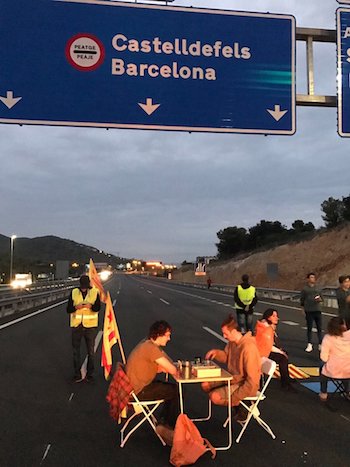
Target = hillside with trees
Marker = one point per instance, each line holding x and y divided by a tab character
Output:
292	252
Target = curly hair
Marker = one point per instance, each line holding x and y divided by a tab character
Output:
159	328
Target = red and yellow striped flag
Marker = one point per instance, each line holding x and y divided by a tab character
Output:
111	336
96	281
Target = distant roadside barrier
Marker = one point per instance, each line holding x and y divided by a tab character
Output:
40	293
330	300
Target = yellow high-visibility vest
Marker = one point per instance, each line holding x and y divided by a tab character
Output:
84	316
246	296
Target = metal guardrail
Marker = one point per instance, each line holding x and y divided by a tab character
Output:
328	293
26	301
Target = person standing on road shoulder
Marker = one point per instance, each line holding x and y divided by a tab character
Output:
343	298
311	301
83	306
245	299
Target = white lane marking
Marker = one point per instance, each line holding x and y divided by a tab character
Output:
164	301
45	453
148	291
84	365
257	313
15	321
329	314
114	301
71	397
346	418
290	323
313	329
215	334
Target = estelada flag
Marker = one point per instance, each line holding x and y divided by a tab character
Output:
111	336
96	281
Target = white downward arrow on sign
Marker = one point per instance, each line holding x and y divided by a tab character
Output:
149	107
9	100
277	113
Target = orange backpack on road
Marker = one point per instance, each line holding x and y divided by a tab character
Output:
188	444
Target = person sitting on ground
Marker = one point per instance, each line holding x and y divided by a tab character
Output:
335	353
269	345
243	362
144	363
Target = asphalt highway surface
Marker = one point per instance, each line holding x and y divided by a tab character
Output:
49	421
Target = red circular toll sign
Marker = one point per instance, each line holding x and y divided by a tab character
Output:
85	52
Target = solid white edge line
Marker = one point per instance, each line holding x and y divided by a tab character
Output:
10	323
215	334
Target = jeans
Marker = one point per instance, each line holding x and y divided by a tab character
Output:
324	382
167	391
312	316
245	321
89	335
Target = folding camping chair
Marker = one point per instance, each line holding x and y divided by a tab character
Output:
122	397
267	368
145	410
340	387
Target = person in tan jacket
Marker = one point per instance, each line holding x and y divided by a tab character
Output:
243	361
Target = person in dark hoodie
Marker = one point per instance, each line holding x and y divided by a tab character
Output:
245	299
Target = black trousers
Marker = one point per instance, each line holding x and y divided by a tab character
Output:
89	334
312	316
282	361
167	391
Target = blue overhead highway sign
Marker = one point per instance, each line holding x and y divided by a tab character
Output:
124	65
343	51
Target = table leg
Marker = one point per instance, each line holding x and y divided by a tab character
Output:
181	398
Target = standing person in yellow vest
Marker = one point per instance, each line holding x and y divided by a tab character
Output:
83	306
245	299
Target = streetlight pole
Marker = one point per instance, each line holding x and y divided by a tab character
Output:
13	237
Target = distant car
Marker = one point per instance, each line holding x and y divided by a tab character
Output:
22	280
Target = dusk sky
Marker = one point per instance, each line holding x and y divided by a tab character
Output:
164	195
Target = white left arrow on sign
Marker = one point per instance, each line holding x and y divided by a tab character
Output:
9	100
149	107
277	113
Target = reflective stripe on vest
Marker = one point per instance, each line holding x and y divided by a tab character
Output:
246	296
84	316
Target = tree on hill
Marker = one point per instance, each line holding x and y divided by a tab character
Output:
232	241
300	226
333	210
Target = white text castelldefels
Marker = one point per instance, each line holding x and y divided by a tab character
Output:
175	50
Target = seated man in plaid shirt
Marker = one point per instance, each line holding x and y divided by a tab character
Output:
145	361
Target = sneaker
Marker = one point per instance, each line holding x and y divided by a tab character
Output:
309	348
89	379
166	433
